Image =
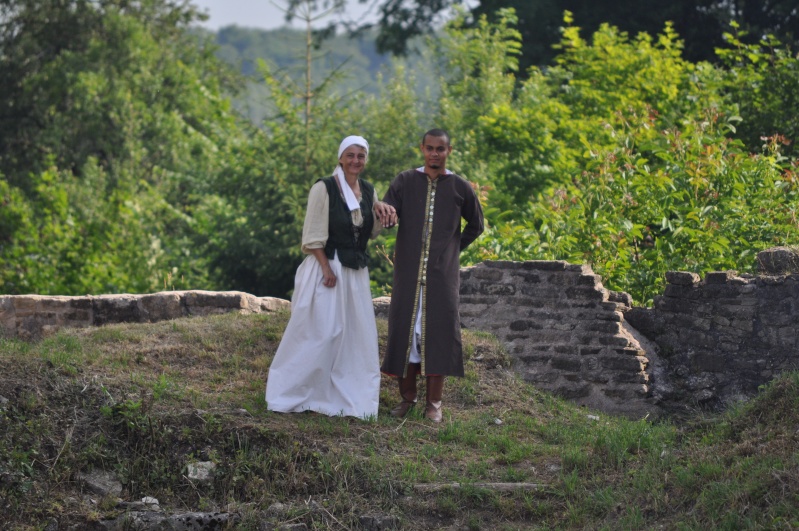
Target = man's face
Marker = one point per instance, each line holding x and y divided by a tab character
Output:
436	149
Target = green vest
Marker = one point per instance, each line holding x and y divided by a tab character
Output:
342	235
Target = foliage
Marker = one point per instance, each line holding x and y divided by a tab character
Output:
643	173
125	167
700	22
763	80
112	127
698	203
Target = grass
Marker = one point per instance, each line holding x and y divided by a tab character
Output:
145	400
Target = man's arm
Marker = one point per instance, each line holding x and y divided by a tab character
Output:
472	212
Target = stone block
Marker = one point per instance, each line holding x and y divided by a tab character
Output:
381	305
565	349
567	363
778	261
696	338
640	378
81	303
485	273
589	280
719	277
501	264
605	327
563	326
492	289
25	305
572	392
7	312
720	292
216	299
562	278
522	325
596	377
162	306
677	305
680	291
76	316
545	265
743	324
535	359
614	340
109	309
469	299
526	277
586	293
623	363
615	317
719	320
54	304
709	362
620	297
682	278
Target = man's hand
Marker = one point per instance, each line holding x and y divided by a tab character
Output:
386	213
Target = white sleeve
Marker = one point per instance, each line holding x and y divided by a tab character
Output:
315	229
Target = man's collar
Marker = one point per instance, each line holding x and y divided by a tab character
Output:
421	170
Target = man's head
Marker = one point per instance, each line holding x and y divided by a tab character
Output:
435	149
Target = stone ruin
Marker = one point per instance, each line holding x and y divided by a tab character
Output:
706	343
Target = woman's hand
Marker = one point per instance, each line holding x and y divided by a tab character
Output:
386	213
328	277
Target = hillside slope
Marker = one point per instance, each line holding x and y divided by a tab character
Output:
144	402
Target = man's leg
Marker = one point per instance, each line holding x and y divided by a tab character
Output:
407	389
435	391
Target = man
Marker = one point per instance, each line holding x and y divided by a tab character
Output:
424	336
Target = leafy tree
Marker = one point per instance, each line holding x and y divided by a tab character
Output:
762	79
112	123
257	227
700	22
647	176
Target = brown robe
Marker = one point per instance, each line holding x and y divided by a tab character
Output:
428	260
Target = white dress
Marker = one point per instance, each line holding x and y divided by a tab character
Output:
327	360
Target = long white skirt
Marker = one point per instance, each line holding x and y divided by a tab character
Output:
327	360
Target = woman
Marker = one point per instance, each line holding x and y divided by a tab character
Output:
328	360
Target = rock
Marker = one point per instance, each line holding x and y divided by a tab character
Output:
202	471
778	261
101	483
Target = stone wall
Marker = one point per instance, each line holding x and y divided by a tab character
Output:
31	316
719	338
565	332
705	343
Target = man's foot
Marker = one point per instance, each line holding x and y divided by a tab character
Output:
433	411
401	409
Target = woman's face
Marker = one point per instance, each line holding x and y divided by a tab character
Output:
353	160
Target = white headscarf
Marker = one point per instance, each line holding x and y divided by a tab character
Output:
349	196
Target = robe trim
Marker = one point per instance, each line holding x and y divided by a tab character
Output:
421	281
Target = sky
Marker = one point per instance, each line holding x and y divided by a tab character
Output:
263	14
